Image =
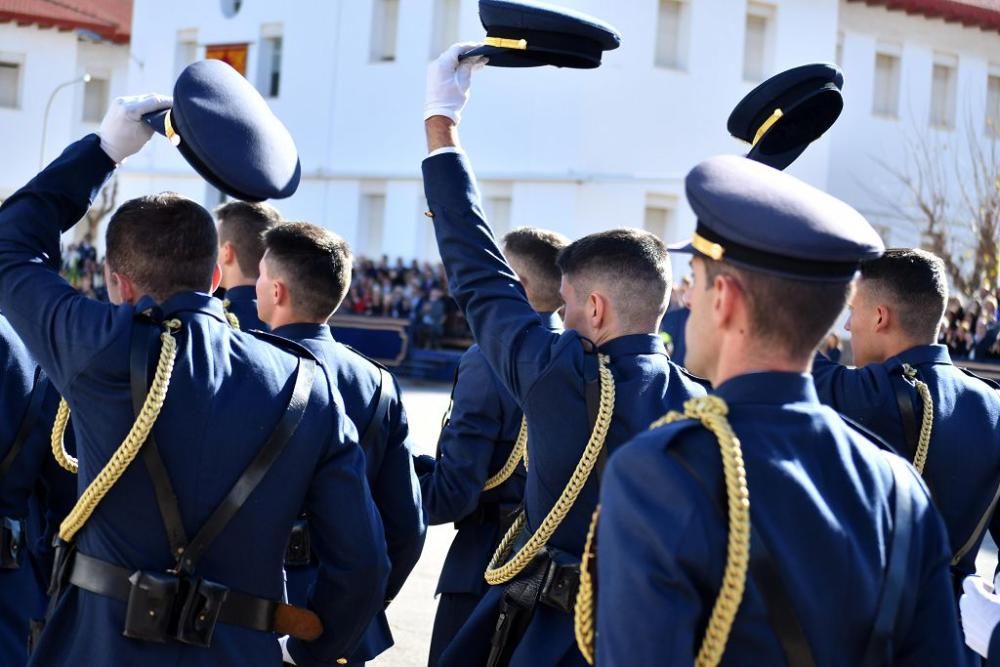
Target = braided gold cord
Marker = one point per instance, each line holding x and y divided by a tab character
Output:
711	411
583	608
234	321
65	461
498	574
927	418
517	454
130	446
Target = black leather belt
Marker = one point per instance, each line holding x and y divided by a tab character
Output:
110	580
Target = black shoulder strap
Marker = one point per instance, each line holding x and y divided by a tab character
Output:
878	440
28	422
911	429
257	469
383	397
145	335
290	346
977	532
765	574
993	384
878	651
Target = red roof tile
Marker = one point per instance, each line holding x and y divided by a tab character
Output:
111	19
984	14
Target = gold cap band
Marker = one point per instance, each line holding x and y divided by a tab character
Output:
707	248
168	129
766	125
504	43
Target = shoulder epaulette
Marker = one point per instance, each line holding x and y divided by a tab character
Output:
704	382
878	440
989	381
365	356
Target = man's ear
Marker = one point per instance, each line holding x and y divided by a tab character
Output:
728	300
279	293
126	288
883	318
216	278
227	254
598	310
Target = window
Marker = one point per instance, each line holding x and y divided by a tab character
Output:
446	16
95	99
993	103
671	34
371	220
885	95
497	210
10	84
658	218
943	92
186	51
269	61
384	23
757	42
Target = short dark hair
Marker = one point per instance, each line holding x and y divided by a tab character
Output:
915	284
314	262
165	243
793	315
535	251
243	224
631	264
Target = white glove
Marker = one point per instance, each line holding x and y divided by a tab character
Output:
448	82
285	655
980	609
122	131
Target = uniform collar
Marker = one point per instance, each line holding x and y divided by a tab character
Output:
768	387
242	293
304	331
919	355
633	344
184	302
551	321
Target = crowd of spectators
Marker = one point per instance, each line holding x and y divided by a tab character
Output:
414	291
83	270
969	328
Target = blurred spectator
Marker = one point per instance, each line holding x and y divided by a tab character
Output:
83	270
831	347
969	327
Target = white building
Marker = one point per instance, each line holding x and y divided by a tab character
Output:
571	150
44	45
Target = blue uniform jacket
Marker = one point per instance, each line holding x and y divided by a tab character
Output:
546	373
243	304
389	469
227	393
474	445
674	323
821	500
963	460
34	490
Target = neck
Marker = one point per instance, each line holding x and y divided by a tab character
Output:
233	277
609	335
740	359
901	344
281	318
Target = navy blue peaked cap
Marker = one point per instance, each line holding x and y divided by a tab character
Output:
530	34
228	133
756	217
789	111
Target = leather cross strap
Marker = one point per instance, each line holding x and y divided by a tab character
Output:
144	337
28	422
911	432
375	426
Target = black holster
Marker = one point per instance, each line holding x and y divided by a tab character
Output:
12	542
173	606
544	581
298	553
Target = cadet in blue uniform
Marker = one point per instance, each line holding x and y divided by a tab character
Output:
304	276
954	437
31	489
673	324
593	387
242	226
233	403
847	557
472	483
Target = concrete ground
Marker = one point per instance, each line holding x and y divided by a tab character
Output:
412	613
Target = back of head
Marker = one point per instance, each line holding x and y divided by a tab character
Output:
913	283
315	265
533	254
164	243
243	224
631	266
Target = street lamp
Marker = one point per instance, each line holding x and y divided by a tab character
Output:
48	106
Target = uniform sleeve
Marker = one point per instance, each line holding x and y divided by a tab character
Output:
397	496
851	391
511	334
349	542
62	329
451	491
648	608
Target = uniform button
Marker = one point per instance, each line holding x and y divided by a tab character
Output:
341	661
